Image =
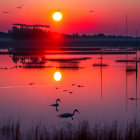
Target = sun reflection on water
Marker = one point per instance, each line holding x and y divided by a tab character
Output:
57	76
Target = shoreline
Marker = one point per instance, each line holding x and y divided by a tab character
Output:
72	42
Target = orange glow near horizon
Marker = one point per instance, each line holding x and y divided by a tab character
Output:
106	19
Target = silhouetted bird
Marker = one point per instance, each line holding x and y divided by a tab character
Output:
79	86
19	7
56	88
70	92
133	98
68	115
91	11
73	84
56	105
31	84
64	90
6	12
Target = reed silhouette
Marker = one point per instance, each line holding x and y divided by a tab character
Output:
11	130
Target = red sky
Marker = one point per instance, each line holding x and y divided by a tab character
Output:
109	16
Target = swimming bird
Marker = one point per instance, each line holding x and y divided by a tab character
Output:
56	88
73	84
68	115
19	7
56	105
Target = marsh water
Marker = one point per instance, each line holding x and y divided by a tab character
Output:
30	83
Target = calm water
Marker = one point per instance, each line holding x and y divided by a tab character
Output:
28	87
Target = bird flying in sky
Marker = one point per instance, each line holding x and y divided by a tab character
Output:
5	12
91	11
19	7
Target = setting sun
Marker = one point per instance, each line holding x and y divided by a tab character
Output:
57	76
57	16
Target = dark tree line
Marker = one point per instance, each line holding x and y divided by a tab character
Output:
39	33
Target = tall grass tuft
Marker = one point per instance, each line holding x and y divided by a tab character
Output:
11	130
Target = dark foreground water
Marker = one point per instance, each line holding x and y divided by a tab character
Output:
30	83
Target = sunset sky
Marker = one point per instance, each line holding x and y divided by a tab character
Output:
108	18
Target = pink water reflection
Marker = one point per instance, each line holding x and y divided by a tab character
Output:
102	97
